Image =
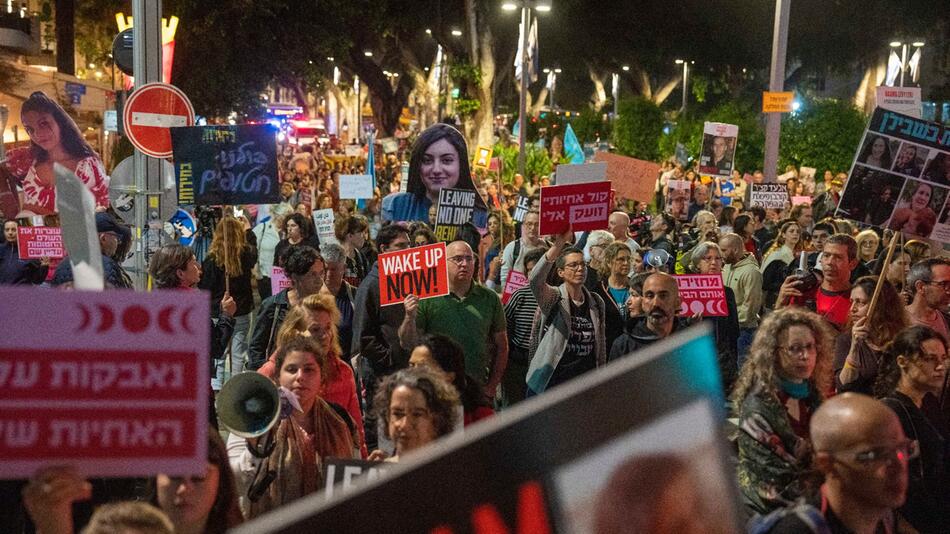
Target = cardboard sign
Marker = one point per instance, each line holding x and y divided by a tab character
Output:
114	383
796	200
578	206
226	164
356	186
35	242
675	385
524	205
353	151
516	280
904	100
632	178
719	148
582	173
390	145
784	177
777	102
702	293
324	220
483	157
278	280
456	207
768	196
419	271
343	476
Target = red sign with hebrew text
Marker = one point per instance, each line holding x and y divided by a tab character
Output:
584	206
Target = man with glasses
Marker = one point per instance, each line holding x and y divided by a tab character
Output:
512	258
929	285
470	314
862	451
112	237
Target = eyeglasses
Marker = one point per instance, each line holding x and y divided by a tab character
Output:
459	260
575	266
797	350
879	456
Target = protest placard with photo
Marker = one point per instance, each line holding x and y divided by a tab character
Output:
719	148
114	383
35	242
420	271
768	196
356	186
456	207
578	206
677	199
702	293
230	165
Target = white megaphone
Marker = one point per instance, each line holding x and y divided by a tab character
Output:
249	404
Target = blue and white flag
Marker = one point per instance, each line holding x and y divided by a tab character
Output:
572	148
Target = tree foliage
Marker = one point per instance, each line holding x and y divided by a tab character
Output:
823	134
636	132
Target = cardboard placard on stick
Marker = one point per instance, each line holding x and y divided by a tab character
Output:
768	196
324	221
356	186
419	271
581	173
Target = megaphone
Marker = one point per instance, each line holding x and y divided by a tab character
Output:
249	404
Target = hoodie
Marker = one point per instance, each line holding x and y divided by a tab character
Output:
636	336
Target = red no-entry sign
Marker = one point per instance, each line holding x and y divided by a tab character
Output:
150	112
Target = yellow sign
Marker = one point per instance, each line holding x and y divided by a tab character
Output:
169	26
777	102
483	157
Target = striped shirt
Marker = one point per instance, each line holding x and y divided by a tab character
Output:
519	313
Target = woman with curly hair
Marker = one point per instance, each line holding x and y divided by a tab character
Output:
416	407
784	379
787	246
614	287
913	374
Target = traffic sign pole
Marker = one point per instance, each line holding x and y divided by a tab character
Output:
773	124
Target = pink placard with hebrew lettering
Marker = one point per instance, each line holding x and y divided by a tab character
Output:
115	383
583	206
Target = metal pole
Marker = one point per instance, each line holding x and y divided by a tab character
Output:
903	62
553	88
685	74
147	66
773	126
523	101
4	115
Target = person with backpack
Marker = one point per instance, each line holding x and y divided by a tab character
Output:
512	258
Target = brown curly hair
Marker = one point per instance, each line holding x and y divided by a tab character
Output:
441	397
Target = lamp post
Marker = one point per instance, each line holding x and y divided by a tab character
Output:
685	64
542	6
903	46
773	124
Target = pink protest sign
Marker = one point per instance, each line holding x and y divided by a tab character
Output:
278	281
34	242
584	206
796	200
115	382
702	293
516	280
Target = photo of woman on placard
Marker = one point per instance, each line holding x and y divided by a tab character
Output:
439	160
917	209
938	169
54	138
877	152
870	195
910	159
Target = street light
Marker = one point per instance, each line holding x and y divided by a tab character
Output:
542	6
456	33
686	65
903	46
625	68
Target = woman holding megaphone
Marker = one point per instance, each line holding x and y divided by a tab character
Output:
283	463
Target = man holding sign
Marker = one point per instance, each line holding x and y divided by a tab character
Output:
470	314
13	270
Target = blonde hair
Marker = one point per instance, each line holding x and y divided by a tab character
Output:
295	324
866	235
227	245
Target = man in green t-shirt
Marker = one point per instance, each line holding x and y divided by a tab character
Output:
470	314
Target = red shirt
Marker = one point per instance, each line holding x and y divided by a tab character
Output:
833	306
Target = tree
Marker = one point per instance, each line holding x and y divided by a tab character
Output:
636	131
823	134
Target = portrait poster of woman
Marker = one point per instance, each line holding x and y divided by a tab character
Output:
938	169
870	195
917	208
878	151
54	139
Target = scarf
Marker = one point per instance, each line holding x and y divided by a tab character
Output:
296	457
795	390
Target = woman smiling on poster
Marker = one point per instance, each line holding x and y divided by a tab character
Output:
914	214
439	160
877	153
54	138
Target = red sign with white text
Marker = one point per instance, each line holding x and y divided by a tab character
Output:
702	293
420	271
114	383
35	242
584	206
516	280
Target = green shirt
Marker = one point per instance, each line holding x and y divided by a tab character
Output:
471	321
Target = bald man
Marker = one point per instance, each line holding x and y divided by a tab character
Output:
618	224
861	449
661	305
741	273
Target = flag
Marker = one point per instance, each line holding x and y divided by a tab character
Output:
893	68
914	65
370	165
533	60
516	131
572	148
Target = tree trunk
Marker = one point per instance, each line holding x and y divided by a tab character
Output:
664	92
599	97
479	128
66	36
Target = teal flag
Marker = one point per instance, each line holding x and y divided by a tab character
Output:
572	148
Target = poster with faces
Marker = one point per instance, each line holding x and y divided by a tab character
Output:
719	148
900	178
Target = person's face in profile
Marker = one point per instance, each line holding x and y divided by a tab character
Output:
440	167
907	155
719	147
921	197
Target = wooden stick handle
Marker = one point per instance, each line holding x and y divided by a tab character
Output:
883	275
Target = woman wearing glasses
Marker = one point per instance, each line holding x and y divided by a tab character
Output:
784	379
571	338
912	376
614	287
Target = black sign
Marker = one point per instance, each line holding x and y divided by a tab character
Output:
122	51
524	203
456	207
226	164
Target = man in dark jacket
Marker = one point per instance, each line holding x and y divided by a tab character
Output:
13	270
376	330
661	304
113	236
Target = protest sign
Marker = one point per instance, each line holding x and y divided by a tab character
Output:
899	177
324	220
578	206
456	207
420	271
482	157
702	293
114	383
677	199
35	242
768	196
353	151
390	145
356	186
524	204
226	164
905	100
278	280
675	385
784	177
632	178
343	475
796	200
582	173
719	148
516	280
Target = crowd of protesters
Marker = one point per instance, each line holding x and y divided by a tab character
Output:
841	408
